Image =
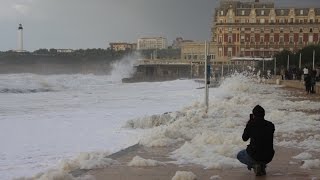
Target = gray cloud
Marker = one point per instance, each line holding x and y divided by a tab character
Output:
95	23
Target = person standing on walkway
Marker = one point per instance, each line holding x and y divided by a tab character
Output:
308	83
260	151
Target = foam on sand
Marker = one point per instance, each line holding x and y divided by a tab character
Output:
184	175
311	164
303	156
140	162
84	161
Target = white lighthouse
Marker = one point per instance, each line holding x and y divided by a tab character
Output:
20	38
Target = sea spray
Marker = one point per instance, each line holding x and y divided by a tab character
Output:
123	68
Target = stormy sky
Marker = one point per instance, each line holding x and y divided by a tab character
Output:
94	23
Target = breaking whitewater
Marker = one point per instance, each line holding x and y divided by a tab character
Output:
81	119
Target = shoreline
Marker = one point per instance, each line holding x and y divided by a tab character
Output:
282	167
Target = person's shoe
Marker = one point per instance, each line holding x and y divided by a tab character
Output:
258	169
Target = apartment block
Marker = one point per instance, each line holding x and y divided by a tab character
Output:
152	43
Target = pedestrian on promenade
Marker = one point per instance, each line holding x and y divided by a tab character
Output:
282	73
260	150
313	81
308	83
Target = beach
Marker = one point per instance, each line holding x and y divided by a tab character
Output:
282	167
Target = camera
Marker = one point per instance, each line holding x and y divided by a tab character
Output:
251	117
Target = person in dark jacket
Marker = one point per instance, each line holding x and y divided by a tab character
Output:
260	150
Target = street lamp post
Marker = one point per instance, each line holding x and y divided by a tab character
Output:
288	62
314	56
300	61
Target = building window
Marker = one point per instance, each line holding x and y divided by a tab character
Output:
229	39
229	52
300	39
301	30
242	52
242	38
220	39
220	52
271	39
251	39
281	20
262	30
261	39
281	30
301	12
271	30
311	30
291	39
281	39
310	38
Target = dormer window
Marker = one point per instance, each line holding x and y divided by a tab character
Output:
301	12
282	12
242	12
221	13
262	12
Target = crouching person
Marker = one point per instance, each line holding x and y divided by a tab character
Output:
260	150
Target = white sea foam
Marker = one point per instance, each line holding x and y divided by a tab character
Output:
123	68
84	161
184	175
141	162
213	140
82	113
311	164
303	156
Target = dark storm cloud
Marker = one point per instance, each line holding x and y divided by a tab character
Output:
95	23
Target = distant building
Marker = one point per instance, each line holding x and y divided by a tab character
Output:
122	46
259	29
152	43
65	50
178	41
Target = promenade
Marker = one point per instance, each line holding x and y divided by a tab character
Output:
283	166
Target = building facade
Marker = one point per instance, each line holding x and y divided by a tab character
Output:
122	46
259	29
152	43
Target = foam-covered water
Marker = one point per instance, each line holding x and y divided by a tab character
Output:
82	113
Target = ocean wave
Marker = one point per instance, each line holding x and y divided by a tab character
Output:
24	91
